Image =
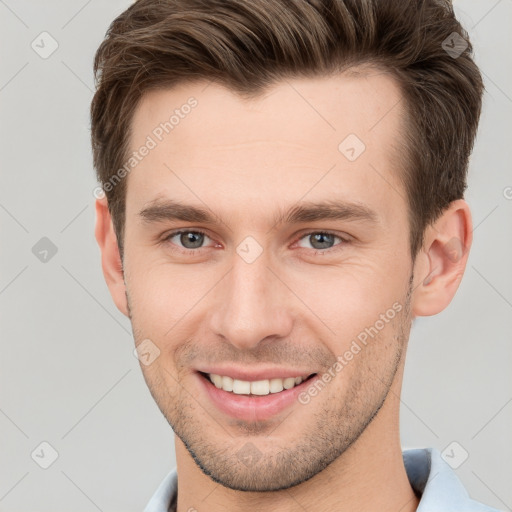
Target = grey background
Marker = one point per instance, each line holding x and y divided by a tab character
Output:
68	374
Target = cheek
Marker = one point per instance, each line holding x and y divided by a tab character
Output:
152	301
352	297
165	301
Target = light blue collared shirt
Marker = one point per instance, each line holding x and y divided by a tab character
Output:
430	476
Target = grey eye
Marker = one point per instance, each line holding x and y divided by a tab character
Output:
320	240
190	239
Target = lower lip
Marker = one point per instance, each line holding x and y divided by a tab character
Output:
252	407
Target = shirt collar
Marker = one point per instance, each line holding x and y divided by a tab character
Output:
440	489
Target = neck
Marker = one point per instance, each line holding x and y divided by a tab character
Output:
369	476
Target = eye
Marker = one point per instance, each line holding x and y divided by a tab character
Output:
322	241
188	240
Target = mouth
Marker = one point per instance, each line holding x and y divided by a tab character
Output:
254	400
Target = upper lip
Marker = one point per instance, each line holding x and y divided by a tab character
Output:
254	374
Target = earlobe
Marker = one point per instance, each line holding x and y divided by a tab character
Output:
442	260
110	258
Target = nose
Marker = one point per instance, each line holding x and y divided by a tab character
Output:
252	305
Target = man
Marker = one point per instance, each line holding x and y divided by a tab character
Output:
284	189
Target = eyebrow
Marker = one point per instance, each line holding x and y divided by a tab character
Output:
162	210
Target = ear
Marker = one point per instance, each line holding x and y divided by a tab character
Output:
110	258
441	262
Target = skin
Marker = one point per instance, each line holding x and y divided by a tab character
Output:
246	161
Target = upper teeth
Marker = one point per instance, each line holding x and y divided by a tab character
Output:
257	387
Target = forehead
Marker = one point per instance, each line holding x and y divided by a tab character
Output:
316	136
356	100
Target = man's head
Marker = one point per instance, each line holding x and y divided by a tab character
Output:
284	186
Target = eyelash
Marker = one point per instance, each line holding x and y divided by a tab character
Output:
190	252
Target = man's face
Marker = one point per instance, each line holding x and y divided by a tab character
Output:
255	294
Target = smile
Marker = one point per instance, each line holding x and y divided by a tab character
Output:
252	400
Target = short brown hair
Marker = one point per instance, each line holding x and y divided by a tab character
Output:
247	45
